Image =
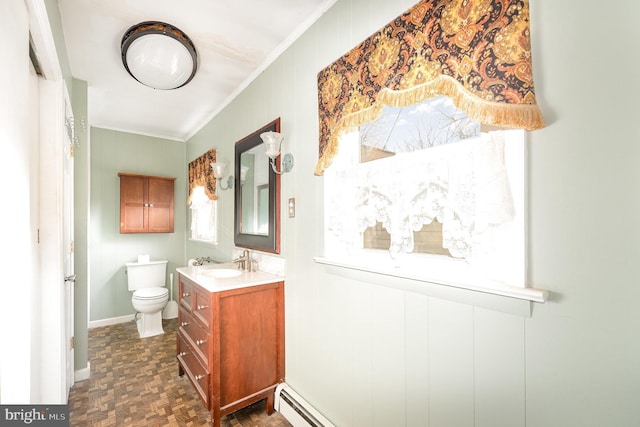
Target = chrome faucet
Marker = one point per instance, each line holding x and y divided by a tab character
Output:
202	260
244	262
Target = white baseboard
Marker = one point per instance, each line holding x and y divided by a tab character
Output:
296	410
111	321
82	374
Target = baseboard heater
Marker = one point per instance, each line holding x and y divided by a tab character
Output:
297	410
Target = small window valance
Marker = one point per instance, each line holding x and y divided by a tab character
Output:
201	175
475	52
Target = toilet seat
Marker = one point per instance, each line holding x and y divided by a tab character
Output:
151	293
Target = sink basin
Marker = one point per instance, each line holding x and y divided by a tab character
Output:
221	273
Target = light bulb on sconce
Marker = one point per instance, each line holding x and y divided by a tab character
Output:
272	141
218	173
243	173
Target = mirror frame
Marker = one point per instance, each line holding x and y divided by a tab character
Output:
270	242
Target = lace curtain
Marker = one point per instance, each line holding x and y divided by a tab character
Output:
476	52
202	198
463	185
204	217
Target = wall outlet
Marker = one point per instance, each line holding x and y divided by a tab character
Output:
292	207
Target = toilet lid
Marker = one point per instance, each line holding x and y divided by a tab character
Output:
151	293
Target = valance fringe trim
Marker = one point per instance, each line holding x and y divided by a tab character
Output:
200	183
519	116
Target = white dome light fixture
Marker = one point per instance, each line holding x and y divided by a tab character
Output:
159	55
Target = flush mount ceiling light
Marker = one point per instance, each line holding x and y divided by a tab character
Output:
158	55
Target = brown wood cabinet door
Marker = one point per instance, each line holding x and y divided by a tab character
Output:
251	340
160	204
132	204
146	204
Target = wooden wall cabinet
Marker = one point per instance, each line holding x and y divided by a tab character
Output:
231	344
146	204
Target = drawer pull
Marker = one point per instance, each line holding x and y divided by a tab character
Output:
185	294
182	354
184	323
200	342
202	307
199	377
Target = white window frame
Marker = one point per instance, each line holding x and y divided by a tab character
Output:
203	206
439	269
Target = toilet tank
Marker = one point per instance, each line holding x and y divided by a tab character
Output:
146	274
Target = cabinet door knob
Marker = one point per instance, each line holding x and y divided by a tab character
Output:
201	307
181	354
199	377
185	294
184	323
200	342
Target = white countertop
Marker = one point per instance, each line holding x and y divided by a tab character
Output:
203	276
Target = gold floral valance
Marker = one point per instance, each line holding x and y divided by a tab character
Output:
475	52
201	174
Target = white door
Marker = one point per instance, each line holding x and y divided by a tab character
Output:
56	261
68	243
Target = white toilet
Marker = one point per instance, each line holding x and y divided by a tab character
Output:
150	295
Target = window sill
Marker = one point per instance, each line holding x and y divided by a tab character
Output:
526	294
206	242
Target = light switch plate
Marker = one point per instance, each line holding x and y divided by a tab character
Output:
292	207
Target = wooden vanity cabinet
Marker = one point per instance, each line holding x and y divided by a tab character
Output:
230	344
146	204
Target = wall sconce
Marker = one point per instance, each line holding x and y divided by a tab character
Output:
272	141
158	55
218	173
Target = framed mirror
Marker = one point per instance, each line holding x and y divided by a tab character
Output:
257	194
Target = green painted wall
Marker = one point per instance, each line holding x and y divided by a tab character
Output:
81	225
113	152
368	351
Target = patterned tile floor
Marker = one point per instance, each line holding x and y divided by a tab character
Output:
134	382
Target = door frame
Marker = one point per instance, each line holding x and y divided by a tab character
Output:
53	350
68	243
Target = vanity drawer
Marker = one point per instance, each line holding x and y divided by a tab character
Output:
195	334
201	307
186	294
193	368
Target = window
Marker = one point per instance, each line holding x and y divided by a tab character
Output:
204	217
447	196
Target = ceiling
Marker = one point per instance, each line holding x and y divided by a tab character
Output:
235	41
